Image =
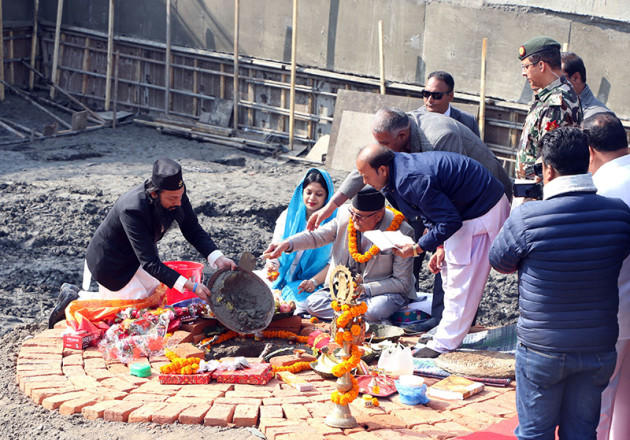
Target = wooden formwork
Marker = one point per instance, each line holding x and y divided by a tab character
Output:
198	78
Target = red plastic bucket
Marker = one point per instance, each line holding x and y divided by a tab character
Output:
189	269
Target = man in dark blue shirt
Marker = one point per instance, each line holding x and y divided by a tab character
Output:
463	206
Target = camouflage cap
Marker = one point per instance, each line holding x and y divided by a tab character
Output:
536	45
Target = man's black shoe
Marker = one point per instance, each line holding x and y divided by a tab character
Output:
426	352
66	296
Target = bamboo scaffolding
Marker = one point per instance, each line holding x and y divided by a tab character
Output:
42	108
293	74
381	55
1	55
110	52
235	86
167	66
54	75
482	91
31	75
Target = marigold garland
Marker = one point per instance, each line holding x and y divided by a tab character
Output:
208	342
349	364
349	312
180	365
272	275
294	368
346	398
352	238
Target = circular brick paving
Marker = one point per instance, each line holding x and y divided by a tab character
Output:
76	381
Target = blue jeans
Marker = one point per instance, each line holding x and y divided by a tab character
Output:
560	389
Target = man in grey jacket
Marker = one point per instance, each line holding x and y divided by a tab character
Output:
387	279
575	72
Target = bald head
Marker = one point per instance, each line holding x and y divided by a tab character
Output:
373	165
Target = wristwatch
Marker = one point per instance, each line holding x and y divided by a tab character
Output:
415	252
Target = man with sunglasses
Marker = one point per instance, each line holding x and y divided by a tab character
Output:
555	102
387	279
438	94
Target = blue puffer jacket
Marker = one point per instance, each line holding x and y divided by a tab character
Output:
568	251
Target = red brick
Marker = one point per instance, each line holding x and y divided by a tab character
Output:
41	349
56	367
299	436
82	381
238	401
33	382
400	434
219	415
41	356
92	352
319	409
39	341
489	407
74	370
96	411
198	326
145	413
266	423
291	324
54	402
142	397
34	373
118	368
293	411
202	391
271	412
42	393
169	413
454	429
245	415
187	350
420	416
297	432
286	360
179	337
323	428
118	384
363	435
71	351
109	393
190	400
76	405
193	415
254	394
100	373
61	324
297	400
92	363
120	412
74	359
157	388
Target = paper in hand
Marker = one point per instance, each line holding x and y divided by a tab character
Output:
388	239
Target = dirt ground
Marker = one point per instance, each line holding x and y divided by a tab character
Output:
56	192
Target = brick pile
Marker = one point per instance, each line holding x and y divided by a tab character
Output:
82	382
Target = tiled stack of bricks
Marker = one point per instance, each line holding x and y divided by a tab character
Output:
75	381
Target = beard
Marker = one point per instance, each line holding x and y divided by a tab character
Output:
166	216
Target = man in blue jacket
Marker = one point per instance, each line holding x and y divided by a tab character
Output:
463	207
568	249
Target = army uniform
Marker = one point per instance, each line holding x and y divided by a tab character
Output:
556	105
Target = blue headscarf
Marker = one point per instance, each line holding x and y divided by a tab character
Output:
312	260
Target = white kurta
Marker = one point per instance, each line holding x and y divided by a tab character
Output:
465	273
613	180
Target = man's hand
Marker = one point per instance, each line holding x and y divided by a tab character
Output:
406	250
319	216
275	249
271	265
224	262
198	289
436	261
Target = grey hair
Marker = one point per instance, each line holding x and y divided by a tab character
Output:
390	120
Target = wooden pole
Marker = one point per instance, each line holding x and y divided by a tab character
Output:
381	53
167	65
482	92
42	108
115	107
31	75
293	70
1	55
236	23
54	74
110	55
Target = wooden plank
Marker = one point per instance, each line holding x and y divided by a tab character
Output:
294	32
110	54
167	67
42	108
10	129
86	65
235	87
54	73
115	89
381	56
31	75
1	55
195	87
11	63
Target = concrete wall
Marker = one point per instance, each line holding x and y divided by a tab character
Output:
419	36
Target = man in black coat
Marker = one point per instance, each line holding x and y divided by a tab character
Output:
122	255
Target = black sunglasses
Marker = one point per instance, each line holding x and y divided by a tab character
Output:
436	95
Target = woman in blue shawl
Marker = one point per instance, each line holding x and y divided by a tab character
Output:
301	273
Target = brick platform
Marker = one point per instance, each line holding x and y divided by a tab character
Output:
75	381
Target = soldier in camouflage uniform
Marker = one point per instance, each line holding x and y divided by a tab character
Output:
555	104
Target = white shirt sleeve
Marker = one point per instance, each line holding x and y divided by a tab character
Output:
213	257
